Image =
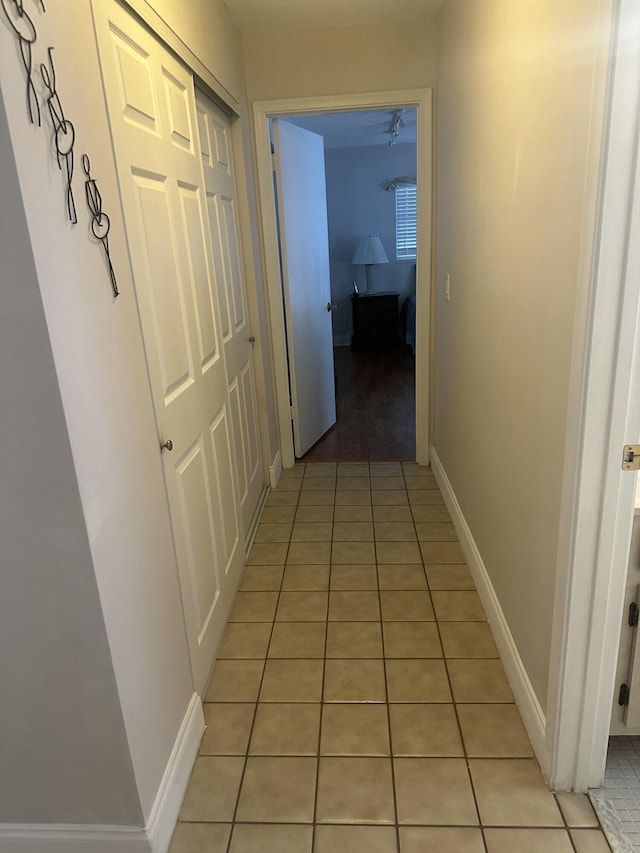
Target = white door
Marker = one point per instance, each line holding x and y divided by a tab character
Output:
304	242
152	111
215	150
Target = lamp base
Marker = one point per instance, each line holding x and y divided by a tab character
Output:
367	272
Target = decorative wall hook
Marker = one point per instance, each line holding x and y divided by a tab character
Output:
100	223
64	134
26	35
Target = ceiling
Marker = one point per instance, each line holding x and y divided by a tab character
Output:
252	16
361	127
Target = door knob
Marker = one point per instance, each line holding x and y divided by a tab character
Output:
331	306
167	445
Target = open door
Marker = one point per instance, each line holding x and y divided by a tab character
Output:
304	243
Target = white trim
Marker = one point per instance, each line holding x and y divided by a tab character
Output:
63	838
598	497
262	112
275	471
526	699
166	807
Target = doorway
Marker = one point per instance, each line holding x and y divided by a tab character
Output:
263	112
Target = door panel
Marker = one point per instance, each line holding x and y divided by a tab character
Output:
152	110
229	281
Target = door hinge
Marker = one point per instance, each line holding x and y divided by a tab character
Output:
623	695
631	457
293	412
634	612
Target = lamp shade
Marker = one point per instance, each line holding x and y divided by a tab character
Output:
370	251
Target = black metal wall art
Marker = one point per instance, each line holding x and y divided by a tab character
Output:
26	35
100	222
64	134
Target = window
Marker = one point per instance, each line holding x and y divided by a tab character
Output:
406	222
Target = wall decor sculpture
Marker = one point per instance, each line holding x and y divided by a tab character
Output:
25	32
100	222
64	134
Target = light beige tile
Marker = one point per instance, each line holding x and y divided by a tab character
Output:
417	681
402	606
321	469
354	577
450	576
353	531
276	532
479	681
429	513
353	469
345	514
389	514
354	640
286	729
387	483
390	497
295	473
200	837
302	607
355	729
245	640
411	640
292	680
467	640
420	839
353	606
493	731
318	483
326	497
254	607
577	810
213	789
355	790
355	839
414	482
289	484
353	497
386	469
395	531
353	552
278	790
429	531
354	681
228	728
282	499
309	553
398	552
278	514
269	838
590	841
261	578
235	681
528	841
441	552
464	606
425	497
402	576
434	791
306	577
512	792
353	484
311	531
307	514
297	640
268	554
425	730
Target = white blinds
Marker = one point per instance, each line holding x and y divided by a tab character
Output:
406	222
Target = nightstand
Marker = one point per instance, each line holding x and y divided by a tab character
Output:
376	320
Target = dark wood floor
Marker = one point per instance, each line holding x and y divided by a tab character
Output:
376	413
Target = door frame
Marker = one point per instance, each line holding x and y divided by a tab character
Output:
421	99
604	414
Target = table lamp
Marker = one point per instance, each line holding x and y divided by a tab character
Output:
368	252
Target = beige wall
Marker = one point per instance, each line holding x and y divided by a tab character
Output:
514	119
347	60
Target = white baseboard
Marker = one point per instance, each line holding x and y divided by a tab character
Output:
155	838
275	470
166	808
526	699
342	340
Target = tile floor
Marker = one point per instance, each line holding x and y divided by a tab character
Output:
621	787
358	702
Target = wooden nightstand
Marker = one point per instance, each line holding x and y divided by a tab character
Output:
376	320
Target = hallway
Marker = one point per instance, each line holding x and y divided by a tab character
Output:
358	702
